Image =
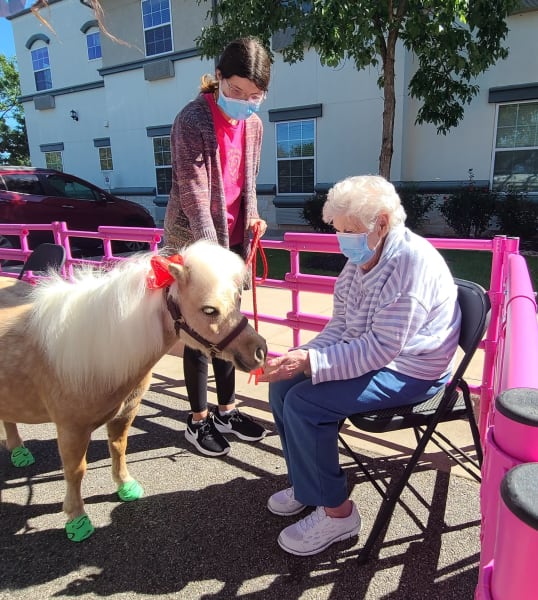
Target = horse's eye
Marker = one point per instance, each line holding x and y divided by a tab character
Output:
210	311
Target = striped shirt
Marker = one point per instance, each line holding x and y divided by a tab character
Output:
403	315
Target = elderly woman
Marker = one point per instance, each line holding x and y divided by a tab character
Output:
391	341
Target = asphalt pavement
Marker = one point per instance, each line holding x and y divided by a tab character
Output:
202	530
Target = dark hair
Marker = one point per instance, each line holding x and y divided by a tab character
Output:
246	57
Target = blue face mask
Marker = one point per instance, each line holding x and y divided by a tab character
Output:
237	109
355	247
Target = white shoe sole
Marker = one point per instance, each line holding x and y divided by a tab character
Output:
339	538
284	513
192	439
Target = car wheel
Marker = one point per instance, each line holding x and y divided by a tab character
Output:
129	246
6	242
136	246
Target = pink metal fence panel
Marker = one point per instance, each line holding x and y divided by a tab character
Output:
61	235
519	360
297	282
510	442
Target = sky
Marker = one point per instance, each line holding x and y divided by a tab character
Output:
7	45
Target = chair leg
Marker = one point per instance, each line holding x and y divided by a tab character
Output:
359	464
472	421
382	520
387	506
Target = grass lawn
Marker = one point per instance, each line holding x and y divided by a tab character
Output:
465	264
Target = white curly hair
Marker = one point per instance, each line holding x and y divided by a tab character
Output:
363	198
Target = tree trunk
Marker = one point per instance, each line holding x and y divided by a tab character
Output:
389	108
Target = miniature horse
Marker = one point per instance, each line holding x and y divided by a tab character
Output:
79	353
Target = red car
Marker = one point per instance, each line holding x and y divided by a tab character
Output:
32	195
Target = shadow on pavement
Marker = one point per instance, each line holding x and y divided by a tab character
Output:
202	531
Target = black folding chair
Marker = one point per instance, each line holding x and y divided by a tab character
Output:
43	258
449	404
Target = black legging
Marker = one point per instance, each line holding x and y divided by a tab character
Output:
195	371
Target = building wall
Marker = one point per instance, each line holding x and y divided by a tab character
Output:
430	157
122	102
123	21
66	45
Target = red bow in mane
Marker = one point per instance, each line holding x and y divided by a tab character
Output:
159	277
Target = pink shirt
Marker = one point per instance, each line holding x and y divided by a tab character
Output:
231	143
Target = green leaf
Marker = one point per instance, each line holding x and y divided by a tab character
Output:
453	41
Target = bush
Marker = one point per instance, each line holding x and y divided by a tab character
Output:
320	263
417	206
517	215
312	213
469	210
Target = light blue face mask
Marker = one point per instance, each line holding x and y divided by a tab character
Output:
355	247
239	110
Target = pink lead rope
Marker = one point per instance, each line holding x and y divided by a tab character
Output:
251	261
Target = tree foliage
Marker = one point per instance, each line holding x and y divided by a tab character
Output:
452	41
13	139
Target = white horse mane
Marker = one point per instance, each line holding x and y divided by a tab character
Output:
106	322
103	322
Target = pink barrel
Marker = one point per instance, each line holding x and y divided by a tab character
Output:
511	439
515	423
483	589
514	575
496	464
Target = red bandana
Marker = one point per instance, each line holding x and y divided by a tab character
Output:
160	276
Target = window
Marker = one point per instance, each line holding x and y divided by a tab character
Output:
515	163
157	26
105	158
23	184
53	160
69	188
41	66
304	5
93	42
163	164
295	142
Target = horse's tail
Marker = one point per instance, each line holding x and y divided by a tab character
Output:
3	434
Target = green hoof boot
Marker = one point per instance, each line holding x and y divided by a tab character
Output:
79	528
21	457
130	490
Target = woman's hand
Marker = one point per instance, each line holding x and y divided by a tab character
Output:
257	222
286	366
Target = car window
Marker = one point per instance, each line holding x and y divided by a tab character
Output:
24	184
70	188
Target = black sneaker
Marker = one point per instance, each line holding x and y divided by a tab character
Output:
239	424
205	437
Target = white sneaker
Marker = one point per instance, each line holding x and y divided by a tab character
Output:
283	503
318	531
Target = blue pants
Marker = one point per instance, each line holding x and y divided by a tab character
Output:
307	417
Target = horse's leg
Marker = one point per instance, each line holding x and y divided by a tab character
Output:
73	445
118	430
20	455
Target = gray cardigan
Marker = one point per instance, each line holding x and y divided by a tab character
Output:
197	206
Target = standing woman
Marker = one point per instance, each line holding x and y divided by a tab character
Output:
216	143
